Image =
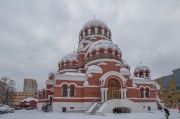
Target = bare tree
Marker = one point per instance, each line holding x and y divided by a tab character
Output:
7	90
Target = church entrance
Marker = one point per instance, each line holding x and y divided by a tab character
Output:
113	94
113	89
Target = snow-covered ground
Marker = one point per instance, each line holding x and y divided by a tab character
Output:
34	114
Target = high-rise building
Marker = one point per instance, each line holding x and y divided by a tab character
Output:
30	86
170	88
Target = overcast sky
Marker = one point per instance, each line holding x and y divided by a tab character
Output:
36	34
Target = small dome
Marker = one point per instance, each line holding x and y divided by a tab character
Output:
103	44
95	22
51	75
69	57
141	67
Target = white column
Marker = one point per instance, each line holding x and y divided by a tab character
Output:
68	90
102	94
125	91
120	93
106	89
144	92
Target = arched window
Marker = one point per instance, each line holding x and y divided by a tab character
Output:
99	30
109	53
147	92
105	32
62	66
64	93
101	53
67	65
94	55
147	74
141	74
86	32
92	30
142	92
109	35
112	83
116	55
72	89
44	95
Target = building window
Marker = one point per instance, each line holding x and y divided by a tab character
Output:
109	53
65	91
86	32
141	74
142	92
94	55
71	107
105	32
101	53
72	89
67	65
147	93
99	30
116	55
92	30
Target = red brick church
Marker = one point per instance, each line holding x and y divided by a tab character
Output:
97	79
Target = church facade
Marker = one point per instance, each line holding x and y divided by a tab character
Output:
97	78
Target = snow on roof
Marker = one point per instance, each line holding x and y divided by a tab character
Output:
74	74
29	99
94	69
70	57
125	71
103	44
95	22
141	67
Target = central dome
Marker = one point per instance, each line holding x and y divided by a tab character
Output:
95	29
95	22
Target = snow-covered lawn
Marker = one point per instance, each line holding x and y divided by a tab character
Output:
35	114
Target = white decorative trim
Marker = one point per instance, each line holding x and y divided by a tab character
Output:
118	64
94	69
76	98
102	63
111	73
70	77
144	98
102	60
68	84
68	70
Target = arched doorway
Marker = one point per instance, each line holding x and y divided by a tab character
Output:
113	86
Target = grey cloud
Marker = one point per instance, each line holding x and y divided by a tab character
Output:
36	34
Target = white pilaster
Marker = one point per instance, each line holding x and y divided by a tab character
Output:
102	94
106	89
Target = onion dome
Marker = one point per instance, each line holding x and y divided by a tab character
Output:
51	75
95	28
125	64
95	22
142	71
69	61
69	57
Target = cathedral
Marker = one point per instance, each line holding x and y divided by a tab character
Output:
96	78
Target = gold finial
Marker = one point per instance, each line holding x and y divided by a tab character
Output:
94	16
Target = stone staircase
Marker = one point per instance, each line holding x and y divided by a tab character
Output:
108	106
